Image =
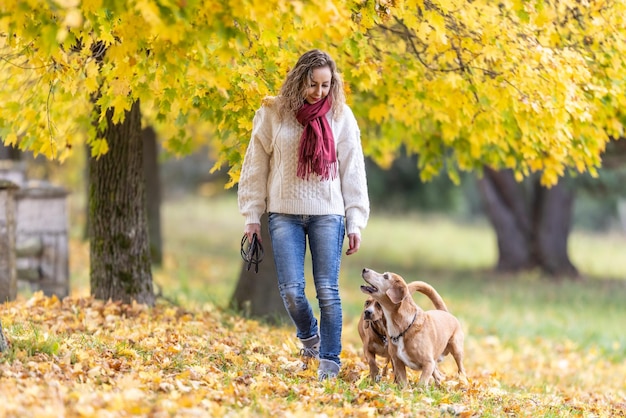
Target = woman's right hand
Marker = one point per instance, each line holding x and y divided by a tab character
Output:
252	229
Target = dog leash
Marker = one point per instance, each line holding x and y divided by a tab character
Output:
252	253
397	338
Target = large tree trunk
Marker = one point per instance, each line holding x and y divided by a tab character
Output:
531	222
153	193
257	294
4	344
87	188
554	220
119	247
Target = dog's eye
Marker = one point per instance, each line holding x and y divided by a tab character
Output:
386	276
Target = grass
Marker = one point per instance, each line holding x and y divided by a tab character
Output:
31	340
202	265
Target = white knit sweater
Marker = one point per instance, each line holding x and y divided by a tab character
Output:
268	177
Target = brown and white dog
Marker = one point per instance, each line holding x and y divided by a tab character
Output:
373	332
417	338
372	327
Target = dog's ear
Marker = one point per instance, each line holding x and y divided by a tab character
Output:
397	294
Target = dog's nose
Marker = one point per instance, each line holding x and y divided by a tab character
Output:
365	271
367	314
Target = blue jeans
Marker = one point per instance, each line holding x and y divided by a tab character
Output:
326	233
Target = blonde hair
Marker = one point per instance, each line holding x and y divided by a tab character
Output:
294	89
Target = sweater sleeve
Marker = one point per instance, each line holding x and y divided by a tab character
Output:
352	173
252	188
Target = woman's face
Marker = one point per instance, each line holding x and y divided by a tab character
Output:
319	85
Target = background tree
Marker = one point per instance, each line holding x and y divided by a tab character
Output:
532	88
531	222
152	177
119	247
4	344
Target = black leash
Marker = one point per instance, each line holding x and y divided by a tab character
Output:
251	253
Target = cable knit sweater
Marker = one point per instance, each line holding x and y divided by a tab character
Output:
268	177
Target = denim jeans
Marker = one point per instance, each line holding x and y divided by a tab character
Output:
289	240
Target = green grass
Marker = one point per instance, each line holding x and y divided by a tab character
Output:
202	237
31	340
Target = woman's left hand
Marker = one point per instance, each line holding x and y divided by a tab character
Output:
354	242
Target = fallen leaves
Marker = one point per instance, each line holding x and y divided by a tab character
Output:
80	357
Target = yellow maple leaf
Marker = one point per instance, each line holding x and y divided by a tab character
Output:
99	147
48	148
379	113
120	105
11	139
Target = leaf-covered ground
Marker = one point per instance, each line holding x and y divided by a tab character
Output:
81	357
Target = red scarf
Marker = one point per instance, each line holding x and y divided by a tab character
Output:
317	145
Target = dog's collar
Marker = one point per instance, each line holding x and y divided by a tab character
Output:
381	336
397	338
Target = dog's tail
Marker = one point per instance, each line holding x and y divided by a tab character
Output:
428	290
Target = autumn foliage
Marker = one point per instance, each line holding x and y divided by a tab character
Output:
530	86
81	357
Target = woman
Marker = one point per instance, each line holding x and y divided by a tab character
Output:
304	165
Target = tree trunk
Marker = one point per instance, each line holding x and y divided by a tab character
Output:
554	224
506	208
153	193
257	294
4	344
87	187
9	152
119	247
531	222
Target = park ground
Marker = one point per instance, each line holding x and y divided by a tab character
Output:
534	347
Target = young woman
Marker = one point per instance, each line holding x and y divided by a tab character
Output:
304	166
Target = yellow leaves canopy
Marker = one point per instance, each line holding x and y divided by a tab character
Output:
531	87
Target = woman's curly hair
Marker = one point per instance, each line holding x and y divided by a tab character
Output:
294	89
